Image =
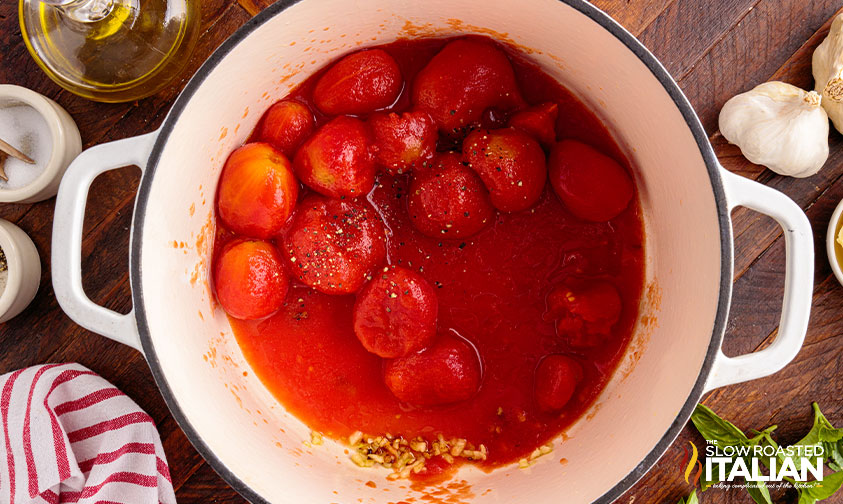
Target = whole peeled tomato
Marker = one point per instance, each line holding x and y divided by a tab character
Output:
448	200
359	83
249	279
557	377
338	160
461	81
538	121
592	185
447	372
286	125
403	141
395	313
511	165
257	191
584	312
333	245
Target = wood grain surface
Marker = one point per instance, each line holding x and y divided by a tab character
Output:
714	49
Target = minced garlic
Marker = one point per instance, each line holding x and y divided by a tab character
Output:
405	456
524	463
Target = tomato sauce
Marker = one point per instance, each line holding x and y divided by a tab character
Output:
491	289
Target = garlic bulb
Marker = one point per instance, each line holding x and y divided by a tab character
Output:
779	126
827	65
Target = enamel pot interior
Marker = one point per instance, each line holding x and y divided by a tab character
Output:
232	418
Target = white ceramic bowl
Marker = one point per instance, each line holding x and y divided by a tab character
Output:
67	144
249	437
24	267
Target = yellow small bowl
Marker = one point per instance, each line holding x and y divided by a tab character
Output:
832	247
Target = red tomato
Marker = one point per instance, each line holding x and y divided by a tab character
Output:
465	78
448	200
586	313
538	121
359	83
338	160
511	165
557	377
447	372
403	141
395	313
333	245
250	280
257	191
592	185
286	125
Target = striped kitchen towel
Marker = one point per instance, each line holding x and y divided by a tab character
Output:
70	436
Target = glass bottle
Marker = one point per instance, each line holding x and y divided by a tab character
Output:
110	50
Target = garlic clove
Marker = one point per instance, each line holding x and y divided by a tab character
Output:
779	126
827	67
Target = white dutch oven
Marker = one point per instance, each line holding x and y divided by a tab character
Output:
232	419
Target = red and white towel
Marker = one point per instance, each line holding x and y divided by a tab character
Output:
67	435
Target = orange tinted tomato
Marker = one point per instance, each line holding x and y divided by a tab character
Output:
333	245
447	372
395	313
361	82
592	185
257	191
249	279
511	165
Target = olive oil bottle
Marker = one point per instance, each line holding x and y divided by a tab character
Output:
110	50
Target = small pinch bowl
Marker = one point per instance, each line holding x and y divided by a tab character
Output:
67	144
831	242
24	266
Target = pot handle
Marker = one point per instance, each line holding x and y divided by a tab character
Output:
798	283
67	236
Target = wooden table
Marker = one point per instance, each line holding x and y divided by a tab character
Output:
714	49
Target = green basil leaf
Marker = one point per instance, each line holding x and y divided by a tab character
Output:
806	499
823	434
759	492
725	433
825	488
691	499
714	428
831	439
768	440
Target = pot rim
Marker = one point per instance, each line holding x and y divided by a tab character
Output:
593	13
